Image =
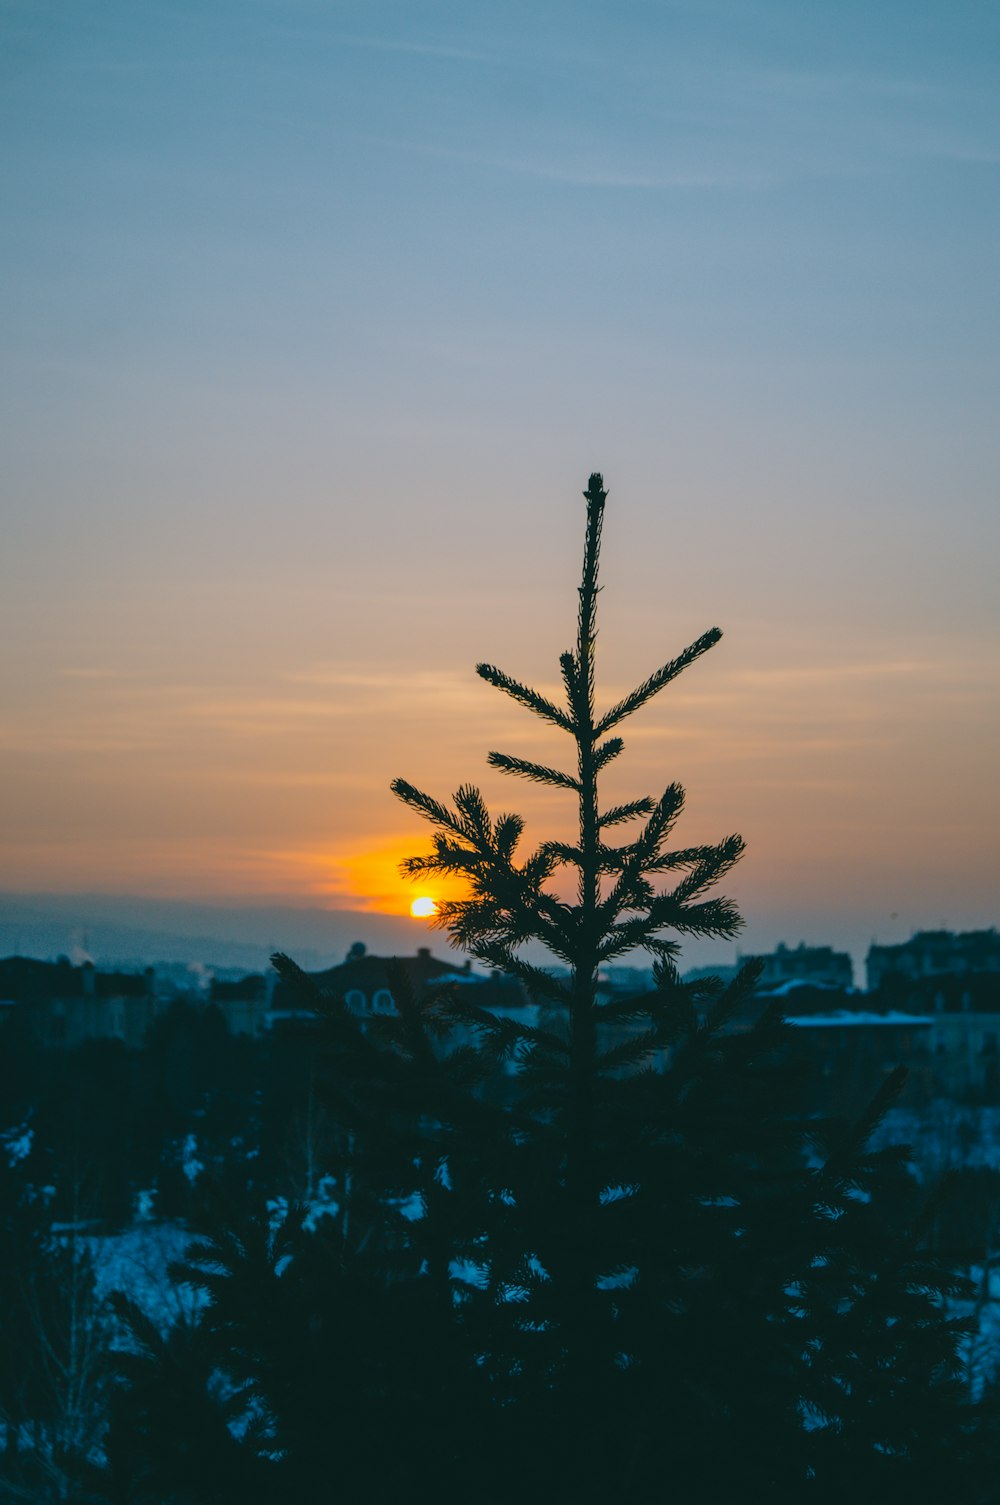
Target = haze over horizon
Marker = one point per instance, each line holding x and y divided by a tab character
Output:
316	319
131	930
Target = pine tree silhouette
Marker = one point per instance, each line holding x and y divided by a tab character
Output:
604	1251
661	1268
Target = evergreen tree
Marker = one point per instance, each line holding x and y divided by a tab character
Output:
177	1431
663	1272
606	1250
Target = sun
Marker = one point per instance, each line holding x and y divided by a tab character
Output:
423	908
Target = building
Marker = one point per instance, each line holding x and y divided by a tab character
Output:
65	1005
955	1056
365	984
614	983
244	1003
966	1056
854	1050
934	954
820	966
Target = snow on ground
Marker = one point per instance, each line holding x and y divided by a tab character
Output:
948	1136
944	1136
137	1261
17	1143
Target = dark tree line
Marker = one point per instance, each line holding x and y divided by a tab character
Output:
107	1124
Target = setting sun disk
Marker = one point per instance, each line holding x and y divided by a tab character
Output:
423	908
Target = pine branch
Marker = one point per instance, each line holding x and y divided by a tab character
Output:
536	771
714	863
411	1011
562	852
675	1014
739	990
538	867
623	1010
666	976
664	814
841	1161
629	892
447	858
632	892
425	805
333	1010
714	917
618	814
618	860
462	1011
656	682
681	857
631	935
509	829
536	979
476	923
630	1052
571	680
525	696
661	949
588	592
606	752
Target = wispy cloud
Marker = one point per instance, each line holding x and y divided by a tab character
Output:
589	174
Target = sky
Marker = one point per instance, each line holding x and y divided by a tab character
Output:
315	318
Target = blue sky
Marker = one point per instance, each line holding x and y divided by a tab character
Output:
316	317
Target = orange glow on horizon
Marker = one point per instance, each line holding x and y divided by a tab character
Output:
370	879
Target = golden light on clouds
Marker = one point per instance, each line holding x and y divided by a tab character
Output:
822	759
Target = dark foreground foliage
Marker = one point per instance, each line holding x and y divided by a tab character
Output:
601	1252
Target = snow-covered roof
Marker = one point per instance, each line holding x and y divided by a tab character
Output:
794	984
840	1017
